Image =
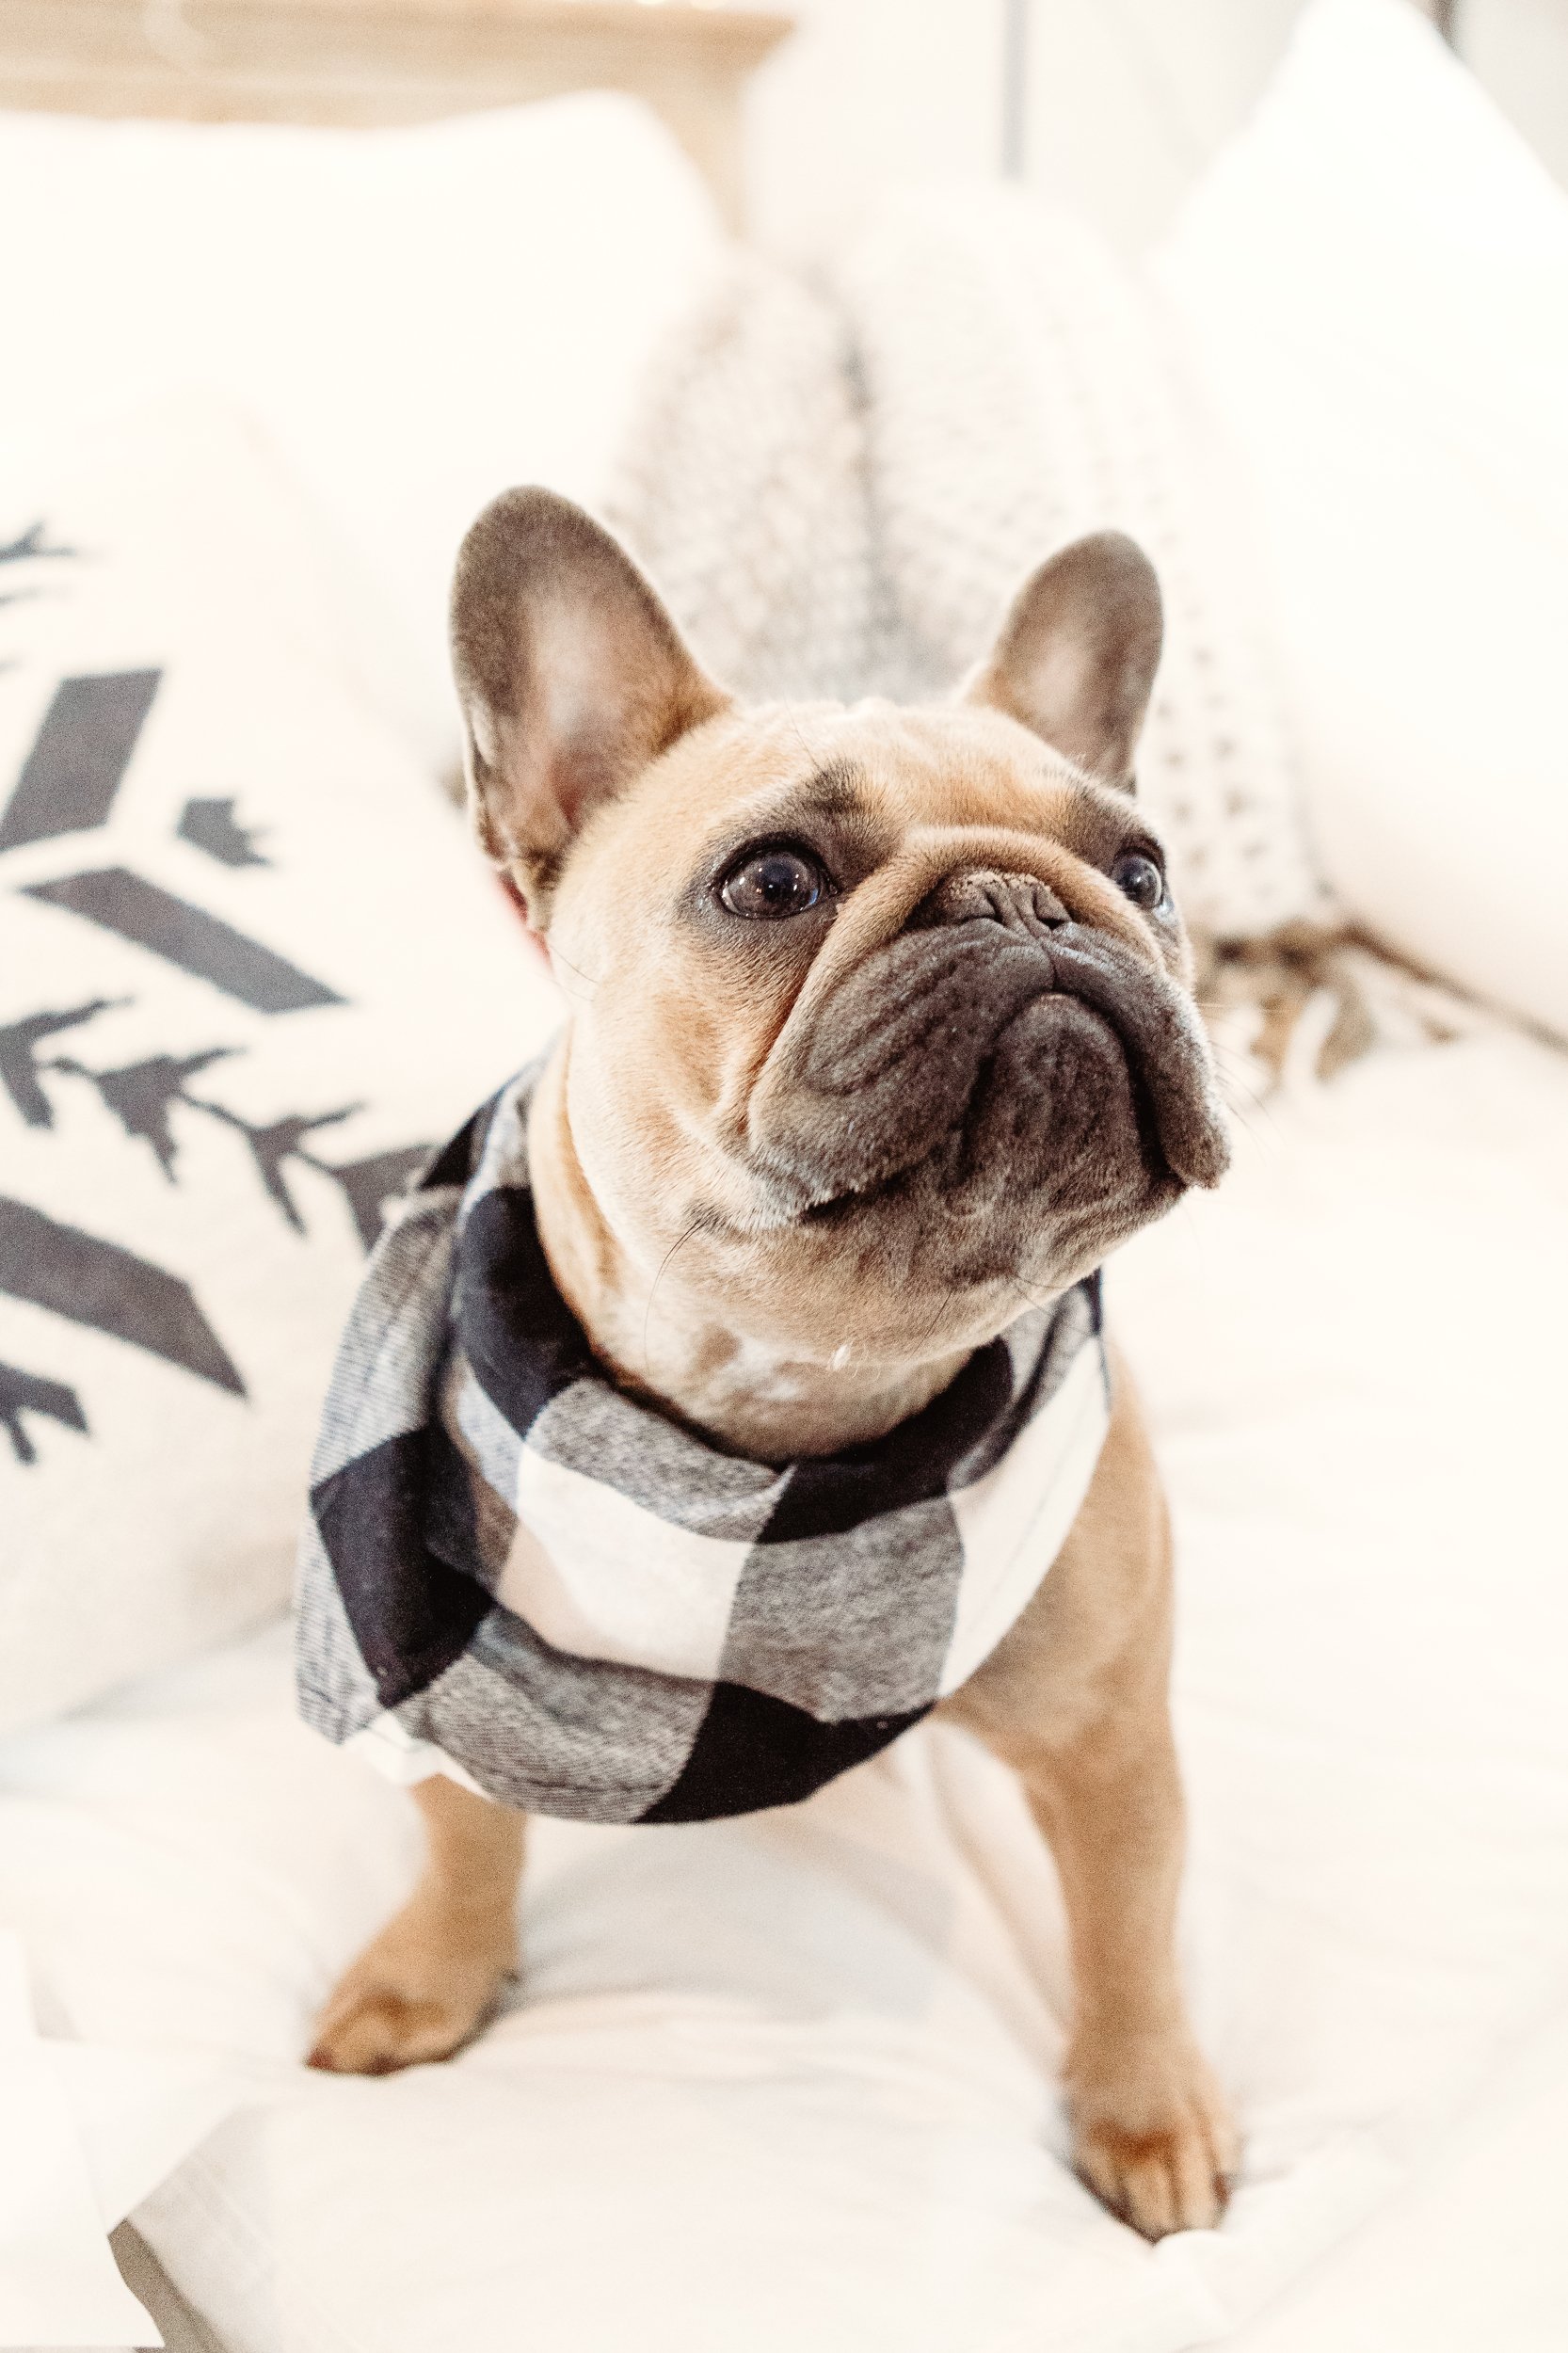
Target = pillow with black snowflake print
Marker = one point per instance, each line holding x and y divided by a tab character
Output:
251	969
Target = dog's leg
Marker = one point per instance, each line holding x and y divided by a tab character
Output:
1075	1699
1150	2131
422	1985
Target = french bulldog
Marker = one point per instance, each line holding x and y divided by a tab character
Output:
880	1030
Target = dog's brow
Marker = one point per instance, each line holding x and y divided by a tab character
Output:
835	791
1100	828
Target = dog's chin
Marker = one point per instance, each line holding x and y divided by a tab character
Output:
1056	1158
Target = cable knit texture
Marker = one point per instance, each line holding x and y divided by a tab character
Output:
838	488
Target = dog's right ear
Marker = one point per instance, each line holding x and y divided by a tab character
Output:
1077	653
572	676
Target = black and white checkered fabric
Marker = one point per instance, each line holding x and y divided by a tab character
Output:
516	1574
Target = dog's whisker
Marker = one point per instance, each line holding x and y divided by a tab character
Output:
678	1243
1259	1107
587	978
1021	1290
943	1305
799	735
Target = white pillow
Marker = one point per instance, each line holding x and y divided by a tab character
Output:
230	902
415	317
1022	389
1374	280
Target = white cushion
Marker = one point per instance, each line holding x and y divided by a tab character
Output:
795	2076
1374	281
232	901
416	317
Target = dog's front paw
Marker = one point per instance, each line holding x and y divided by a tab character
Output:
418	1992
1152	2135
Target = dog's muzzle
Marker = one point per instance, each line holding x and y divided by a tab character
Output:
991	1001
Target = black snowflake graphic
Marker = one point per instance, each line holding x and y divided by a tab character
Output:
30	547
67	786
26	1393
19	1061
212	826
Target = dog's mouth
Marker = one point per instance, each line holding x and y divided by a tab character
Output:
949	1159
836	1207
971	1072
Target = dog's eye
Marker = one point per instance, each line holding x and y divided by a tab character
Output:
1139	878
772	883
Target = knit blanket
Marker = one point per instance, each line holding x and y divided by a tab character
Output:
518	1572
838	482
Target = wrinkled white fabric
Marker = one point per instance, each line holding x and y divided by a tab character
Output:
796	2076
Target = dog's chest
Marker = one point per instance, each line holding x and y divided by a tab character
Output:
520	1572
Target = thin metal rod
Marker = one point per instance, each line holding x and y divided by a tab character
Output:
1015	89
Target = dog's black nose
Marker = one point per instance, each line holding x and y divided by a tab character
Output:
1021	902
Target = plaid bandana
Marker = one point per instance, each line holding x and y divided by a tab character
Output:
515	1573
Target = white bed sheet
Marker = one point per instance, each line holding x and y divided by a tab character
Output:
793	2077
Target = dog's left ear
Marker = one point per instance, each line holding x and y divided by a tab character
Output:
1077	652
572	676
